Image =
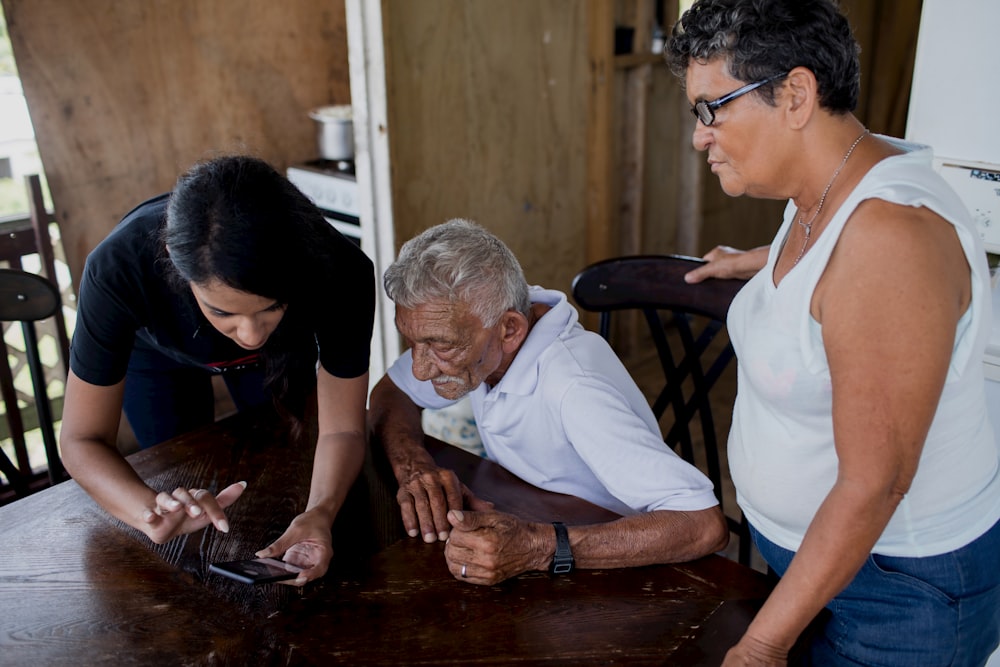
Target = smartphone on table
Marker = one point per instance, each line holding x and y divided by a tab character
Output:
256	570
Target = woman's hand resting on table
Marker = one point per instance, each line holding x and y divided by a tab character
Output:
726	262
187	510
752	653
308	543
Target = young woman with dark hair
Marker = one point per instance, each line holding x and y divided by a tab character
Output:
234	273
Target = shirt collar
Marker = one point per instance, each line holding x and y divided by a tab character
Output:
522	376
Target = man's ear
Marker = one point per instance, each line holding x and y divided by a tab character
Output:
514	329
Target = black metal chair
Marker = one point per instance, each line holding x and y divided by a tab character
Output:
683	321
27	298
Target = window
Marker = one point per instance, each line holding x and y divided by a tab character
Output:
18	150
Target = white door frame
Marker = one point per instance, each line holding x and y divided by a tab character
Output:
366	58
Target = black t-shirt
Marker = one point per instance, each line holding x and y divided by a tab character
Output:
125	294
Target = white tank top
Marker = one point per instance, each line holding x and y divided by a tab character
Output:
781	449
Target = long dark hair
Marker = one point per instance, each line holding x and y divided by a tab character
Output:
236	220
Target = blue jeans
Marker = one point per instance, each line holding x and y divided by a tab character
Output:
934	611
164	398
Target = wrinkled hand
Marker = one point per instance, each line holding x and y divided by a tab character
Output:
493	546
750	652
426	494
726	262
306	542
187	510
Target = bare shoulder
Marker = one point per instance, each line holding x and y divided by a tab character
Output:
905	239
892	250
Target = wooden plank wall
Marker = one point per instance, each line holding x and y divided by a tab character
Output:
652	140
488	117
515	114
126	95
499	111
887	33
601	232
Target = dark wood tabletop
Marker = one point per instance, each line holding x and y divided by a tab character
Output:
80	588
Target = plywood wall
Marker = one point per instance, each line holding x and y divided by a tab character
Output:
126	95
488	105
487	110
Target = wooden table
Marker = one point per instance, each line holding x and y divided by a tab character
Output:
80	588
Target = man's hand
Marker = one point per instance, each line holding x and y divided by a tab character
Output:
488	547
425	495
187	510
307	542
726	262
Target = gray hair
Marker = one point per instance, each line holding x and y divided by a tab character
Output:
459	262
764	38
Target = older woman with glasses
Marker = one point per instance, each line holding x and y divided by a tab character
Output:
860	448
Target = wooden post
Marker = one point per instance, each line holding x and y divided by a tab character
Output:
638	80
600	228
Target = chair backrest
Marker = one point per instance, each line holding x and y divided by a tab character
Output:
33	238
27	298
683	322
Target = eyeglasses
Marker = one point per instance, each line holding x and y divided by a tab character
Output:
705	111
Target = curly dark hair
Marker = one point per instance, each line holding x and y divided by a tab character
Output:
763	38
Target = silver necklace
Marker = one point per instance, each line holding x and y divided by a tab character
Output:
808	226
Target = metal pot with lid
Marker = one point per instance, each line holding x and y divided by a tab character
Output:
335	131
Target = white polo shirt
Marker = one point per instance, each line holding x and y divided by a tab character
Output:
567	417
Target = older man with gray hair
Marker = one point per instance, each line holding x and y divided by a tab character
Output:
553	404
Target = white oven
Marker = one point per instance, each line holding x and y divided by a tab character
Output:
333	187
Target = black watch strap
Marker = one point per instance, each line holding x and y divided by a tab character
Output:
562	562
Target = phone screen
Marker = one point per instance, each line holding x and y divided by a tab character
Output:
257	570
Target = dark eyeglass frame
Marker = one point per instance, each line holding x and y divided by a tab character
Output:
705	111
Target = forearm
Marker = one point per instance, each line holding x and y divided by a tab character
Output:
396	423
90	419
838	541
644	539
109	479
494	546
336	465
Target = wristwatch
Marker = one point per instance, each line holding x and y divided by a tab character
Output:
562	562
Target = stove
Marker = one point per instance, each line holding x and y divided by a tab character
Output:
332	186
